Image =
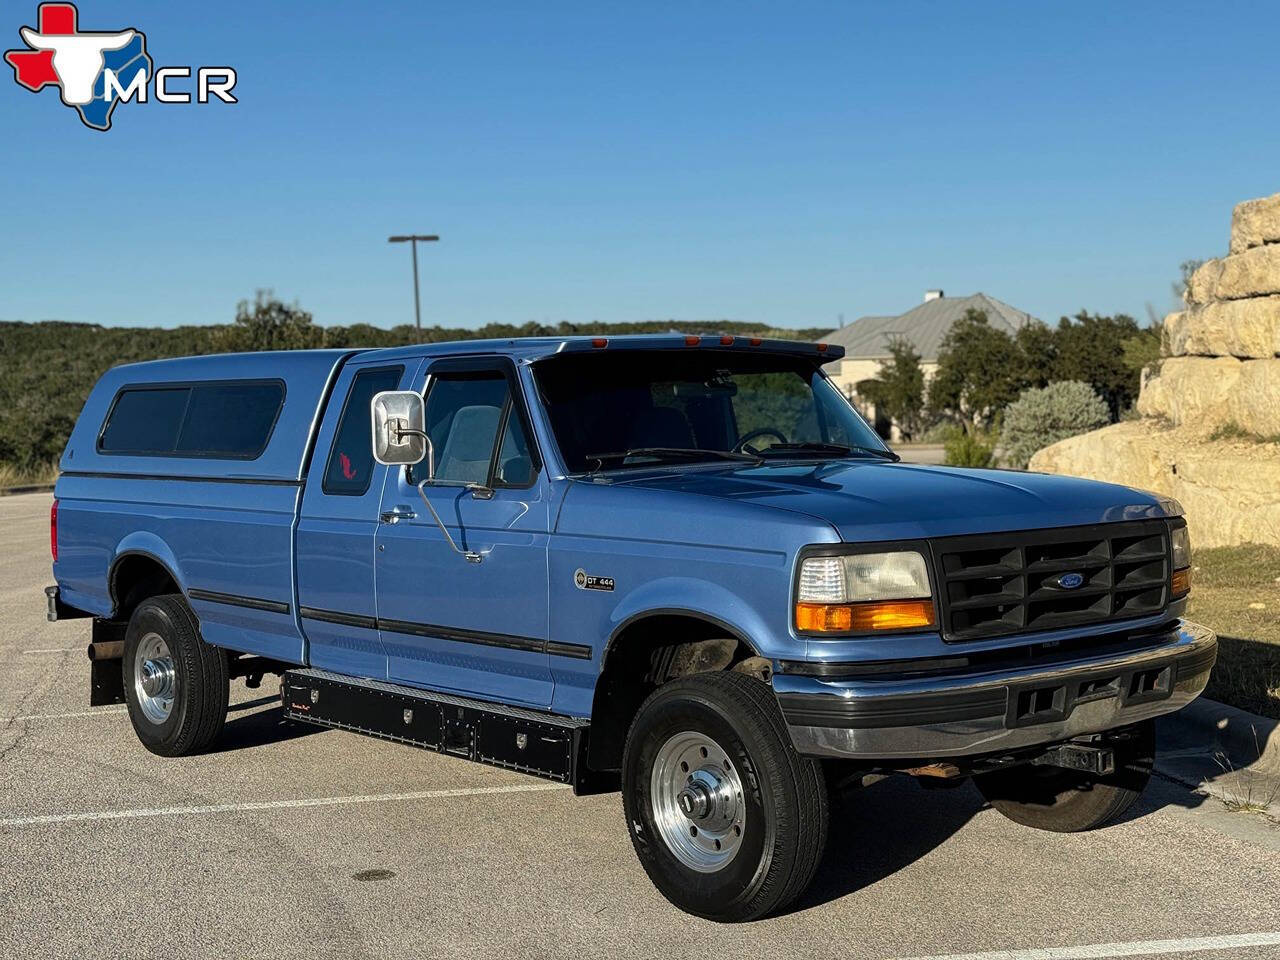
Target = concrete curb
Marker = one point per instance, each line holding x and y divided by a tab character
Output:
1227	753
30	488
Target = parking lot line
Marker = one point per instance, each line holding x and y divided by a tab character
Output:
68	716
274	804
1135	948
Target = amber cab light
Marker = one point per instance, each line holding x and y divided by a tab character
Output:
692	341
1180	582
53	530
864	617
600	343
726	341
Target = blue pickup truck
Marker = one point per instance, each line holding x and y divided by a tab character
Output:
680	565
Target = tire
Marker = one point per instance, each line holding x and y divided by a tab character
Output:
189	683
763	833
1067	801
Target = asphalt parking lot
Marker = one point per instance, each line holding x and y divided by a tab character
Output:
286	842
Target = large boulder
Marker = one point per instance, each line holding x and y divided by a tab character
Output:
1252	273
1214	392
1229	328
1228	488
1254	223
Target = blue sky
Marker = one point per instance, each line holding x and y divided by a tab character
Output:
783	163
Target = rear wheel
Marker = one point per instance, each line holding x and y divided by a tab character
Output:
175	684
1067	801
727	820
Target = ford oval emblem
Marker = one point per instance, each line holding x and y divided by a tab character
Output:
1069	581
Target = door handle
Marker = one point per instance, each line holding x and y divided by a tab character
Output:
396	514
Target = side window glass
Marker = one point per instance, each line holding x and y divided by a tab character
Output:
464	413
350	463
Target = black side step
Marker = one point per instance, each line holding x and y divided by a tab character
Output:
529	741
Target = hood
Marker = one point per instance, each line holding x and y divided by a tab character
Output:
879	500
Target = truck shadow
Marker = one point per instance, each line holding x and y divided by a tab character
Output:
885	827
258	728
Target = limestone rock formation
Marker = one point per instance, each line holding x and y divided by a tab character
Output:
1220	379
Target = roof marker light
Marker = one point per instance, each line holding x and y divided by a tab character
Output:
822	348
755	341
726	341
692	341
599	343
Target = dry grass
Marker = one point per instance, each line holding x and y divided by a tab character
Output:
1236	591
11	476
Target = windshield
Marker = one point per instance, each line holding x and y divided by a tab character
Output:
641	407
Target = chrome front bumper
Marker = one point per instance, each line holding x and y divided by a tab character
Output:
964	714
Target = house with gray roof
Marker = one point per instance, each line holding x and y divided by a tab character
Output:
866	341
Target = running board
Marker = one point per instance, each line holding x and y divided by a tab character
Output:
514	738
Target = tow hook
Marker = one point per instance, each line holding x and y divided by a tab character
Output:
1099	761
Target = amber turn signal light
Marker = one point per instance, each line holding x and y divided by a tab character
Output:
1180	582
864	617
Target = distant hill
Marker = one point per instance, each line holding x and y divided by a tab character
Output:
48	368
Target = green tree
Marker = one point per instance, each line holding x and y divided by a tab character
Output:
1091	349
898	390
979	372
269	324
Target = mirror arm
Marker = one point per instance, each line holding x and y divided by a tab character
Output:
469	555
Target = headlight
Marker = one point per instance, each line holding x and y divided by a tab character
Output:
1180	580
864	592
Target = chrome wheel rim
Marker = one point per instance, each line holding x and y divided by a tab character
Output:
154	679
695	792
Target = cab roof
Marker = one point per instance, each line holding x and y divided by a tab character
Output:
538	348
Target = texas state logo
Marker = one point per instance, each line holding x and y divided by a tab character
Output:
96	70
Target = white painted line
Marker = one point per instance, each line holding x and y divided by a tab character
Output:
275	804
1136	948
68	716
57	650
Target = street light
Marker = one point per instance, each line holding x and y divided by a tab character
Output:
415	239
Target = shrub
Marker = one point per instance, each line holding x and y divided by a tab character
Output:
969	449
1044	416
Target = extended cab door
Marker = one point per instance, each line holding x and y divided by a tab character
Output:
335	536
448	623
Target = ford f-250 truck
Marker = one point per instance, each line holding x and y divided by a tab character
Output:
682	564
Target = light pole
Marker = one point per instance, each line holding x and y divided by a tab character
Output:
414	239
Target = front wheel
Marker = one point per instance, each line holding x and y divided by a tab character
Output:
727	820
1067	801
175	684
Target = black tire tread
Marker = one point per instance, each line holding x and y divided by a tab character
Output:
205	673
754	706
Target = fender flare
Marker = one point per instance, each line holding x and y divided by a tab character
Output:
142	544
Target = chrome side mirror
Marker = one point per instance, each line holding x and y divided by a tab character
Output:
399	430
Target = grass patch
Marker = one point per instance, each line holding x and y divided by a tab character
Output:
1227	586
1233	431
11	476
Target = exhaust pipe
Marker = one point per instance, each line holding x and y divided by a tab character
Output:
106	650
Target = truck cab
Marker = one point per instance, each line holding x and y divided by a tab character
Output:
679	565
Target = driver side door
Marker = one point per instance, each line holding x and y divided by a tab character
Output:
447	623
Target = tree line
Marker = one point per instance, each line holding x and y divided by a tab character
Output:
49	367
1056	381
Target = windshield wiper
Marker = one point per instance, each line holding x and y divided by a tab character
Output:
839	449
671	453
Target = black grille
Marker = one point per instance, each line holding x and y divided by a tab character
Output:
1003	583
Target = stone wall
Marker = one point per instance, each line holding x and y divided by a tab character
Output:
1210	433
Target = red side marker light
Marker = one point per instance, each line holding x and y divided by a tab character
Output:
53	530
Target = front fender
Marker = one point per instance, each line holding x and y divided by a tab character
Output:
704	600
